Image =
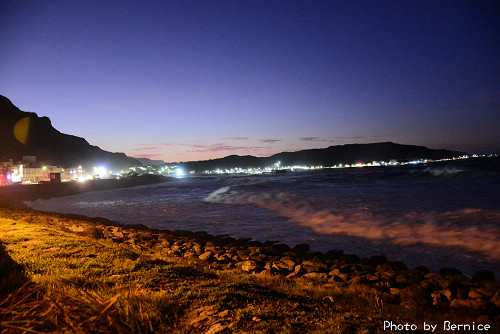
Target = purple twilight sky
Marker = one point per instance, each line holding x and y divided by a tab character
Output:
192	80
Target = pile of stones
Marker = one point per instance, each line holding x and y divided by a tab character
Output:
388	281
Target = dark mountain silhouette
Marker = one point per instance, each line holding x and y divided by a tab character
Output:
330	156
24	133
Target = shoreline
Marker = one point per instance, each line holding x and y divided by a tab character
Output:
433	255
391	281
14	196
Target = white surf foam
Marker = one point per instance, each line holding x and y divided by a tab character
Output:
471	229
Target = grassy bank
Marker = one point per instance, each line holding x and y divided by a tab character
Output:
79	281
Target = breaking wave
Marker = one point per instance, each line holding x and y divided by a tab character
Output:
475	230
443	171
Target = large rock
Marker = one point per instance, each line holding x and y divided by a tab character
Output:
449	272
315	266
316	277
441	300
250	266
480	292
495	300
484	275
298	271
301	248
206	256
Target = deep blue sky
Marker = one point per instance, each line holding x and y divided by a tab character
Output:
189	80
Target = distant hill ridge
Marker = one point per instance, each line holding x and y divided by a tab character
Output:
24	133
330	156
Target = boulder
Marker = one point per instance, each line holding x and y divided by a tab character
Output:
334	254
280	248
208	255
376	260
298	271
484	275
316	277
315	266
350	258
334	272
449	271
301	248
281	268
423	269
250	266
440	300
371	279
480	292
495	300
290	262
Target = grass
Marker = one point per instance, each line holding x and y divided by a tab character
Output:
64	281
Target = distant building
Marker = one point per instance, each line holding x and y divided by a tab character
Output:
5	176
39	173
51	177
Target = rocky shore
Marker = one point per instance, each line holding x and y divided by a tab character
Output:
376	278
386	281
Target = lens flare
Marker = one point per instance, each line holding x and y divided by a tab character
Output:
21	130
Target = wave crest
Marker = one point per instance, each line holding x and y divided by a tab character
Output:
471	229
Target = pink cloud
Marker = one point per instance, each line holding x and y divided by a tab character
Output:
236	138
144	148
223	147
150	156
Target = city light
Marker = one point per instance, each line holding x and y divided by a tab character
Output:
101	172
179	172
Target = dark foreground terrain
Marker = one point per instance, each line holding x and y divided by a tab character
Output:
71	274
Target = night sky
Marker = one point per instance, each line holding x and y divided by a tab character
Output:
193	80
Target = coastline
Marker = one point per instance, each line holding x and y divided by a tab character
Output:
390	284
14	196
336	274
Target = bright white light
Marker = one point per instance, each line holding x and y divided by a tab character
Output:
179	172
101	171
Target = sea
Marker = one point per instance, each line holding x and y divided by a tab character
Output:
444	214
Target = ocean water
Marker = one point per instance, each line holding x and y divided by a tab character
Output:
438	215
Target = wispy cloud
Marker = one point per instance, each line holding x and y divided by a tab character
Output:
365	137
353	137
144	148
223	147
270	141
150	156
341	138
314	139
235	138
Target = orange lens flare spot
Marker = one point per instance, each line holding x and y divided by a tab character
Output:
21	130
